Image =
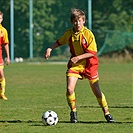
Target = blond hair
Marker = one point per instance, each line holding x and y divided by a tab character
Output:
76	13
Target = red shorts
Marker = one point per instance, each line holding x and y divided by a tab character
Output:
86	68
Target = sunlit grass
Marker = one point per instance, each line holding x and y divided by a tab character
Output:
34	88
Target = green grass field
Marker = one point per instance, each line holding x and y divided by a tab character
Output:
33	88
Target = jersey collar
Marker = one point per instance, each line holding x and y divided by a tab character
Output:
79	32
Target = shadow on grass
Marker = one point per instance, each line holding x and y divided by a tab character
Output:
19	121
39	123
96	122
109	106
32	123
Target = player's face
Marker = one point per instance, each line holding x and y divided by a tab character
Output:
78	23
1	18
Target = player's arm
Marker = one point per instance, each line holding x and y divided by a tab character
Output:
61	41
80	57
48	51
6	46
90	51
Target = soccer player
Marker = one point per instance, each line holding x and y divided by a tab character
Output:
83	62
3	42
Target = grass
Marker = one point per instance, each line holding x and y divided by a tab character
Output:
33	88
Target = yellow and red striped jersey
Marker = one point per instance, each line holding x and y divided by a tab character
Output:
80	42
3	35
3	40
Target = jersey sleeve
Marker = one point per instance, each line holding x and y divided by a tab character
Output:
64	39
5	39
92	46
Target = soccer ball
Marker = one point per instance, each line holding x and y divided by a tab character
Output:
49	118
20	59
17	59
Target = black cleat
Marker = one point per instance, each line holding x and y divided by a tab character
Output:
109	118
73	117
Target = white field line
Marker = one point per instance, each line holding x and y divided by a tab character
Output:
40	63
23	108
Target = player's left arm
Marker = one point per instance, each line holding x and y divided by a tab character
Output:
6	46
80	57
90	50
48	51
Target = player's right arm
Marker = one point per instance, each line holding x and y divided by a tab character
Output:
61	41
48	51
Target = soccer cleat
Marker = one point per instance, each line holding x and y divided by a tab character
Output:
109	118
73	117
2	96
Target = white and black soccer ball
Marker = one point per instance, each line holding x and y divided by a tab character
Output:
49	118
17	59
21	59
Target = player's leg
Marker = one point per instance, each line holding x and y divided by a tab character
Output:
99	95
71	98
2	84
101	99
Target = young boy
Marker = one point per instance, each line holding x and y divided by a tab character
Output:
83	62
3	42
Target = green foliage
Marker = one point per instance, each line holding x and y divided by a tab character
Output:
21	25
51	19
113	15
116	41
35	88
43	23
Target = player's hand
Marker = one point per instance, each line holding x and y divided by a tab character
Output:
74	59
7	61
47	53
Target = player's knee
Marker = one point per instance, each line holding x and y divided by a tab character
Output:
70	91
93	81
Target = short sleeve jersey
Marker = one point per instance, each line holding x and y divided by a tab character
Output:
3	40
80	42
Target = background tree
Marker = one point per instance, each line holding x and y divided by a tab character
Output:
51	19
111	15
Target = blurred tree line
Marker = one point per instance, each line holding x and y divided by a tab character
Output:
51	19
